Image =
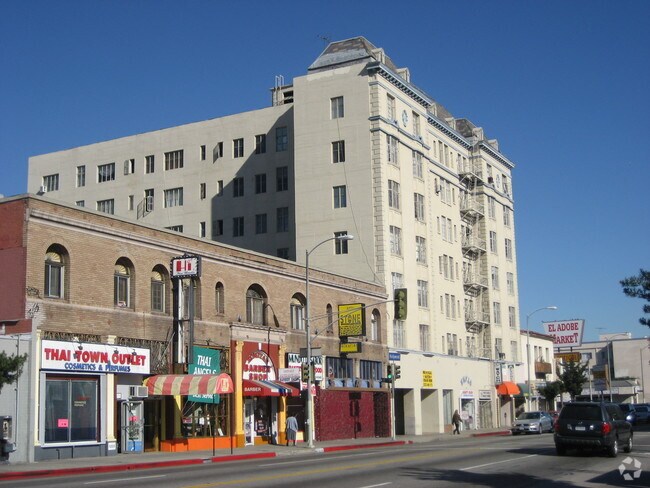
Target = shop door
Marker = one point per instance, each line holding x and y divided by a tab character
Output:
249	421
152	425
131	427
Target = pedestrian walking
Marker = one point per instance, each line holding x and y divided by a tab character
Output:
455	419
292	429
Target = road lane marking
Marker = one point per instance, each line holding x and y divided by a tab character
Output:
497	462
375	486
125	479
332	457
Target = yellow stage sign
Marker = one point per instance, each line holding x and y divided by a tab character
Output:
352	320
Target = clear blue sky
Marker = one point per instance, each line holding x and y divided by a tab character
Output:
563	85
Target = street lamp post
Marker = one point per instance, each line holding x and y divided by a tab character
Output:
310	380
530	390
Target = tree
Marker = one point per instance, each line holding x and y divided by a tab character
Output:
10	368
573	377
550	391
639	287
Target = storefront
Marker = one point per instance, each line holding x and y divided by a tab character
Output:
77	400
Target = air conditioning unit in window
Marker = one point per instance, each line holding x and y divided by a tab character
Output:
138	392
42	189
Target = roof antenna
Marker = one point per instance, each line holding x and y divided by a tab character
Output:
325	39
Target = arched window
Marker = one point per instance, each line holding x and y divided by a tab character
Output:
297	312
159	286
219	298
55	264
122	290
375	326
255	306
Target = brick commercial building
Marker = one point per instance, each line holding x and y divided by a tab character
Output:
91	297
352	147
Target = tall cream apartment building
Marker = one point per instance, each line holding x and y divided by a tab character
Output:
352	147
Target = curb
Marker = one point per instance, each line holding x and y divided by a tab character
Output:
489	434
362	446
15	475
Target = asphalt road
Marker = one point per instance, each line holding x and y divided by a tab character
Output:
518	461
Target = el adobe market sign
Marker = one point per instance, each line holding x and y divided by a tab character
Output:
567	333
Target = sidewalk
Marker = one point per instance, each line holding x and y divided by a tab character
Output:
147	460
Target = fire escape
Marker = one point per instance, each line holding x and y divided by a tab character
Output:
475	276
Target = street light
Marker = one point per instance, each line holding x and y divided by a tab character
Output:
530	390
310	416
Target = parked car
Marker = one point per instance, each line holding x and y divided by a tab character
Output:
533	423
592	425
629	411
642	413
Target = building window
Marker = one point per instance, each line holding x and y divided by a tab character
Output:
282	178
220	188
129	166
390	109
491	208
336	105
397	280
507	216
81	176
420	250
393	195
496	307
424	337
175	228
417	165
297	313
493	242
416	125
282	252
340	246
238	187
254	307
419	206
174	160
106	206
157	291
51	182
512	318
281	139
122	285
174	197
338	152
340	196
423	294
238	226
217	228
395	240
260	183
238	148
130	202
509	249
399	335
510	283
392	144
201	229
202	191
54	274
219	298
202	153
514	351
149	164
148	200
80	203
375	322
282	220
452	344
62	401
260	224
105	172
260	144
495	277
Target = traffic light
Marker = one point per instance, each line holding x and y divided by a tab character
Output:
389	375
397	373
399	299
304	372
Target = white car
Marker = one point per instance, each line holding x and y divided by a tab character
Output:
533	423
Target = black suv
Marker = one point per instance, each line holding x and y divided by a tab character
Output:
592	425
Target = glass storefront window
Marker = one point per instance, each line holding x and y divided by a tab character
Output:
205	419
71	406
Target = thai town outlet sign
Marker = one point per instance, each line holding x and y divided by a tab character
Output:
96	358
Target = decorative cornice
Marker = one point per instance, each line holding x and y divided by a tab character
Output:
396	80
496	155
456	136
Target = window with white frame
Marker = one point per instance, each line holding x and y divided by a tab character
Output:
510	283
399	334
512	318
418	201
492	208
390	109
424	337
81	176
417	165
54	274
496	308
336	108
238	148
106	206
509	249
173	159
507	214
51	182
338	152
395	240
260	144
255	307
217	151
122	285
392	147
393	195
445	191
297	313
416	125
495	277
340	246
420	250
129	166
493	242
514	351
452	344
105	172
340	196
375	321
174	197
397	280
149	164
157	291
423	294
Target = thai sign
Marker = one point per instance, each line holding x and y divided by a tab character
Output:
567	333
92	357
206	361
352	320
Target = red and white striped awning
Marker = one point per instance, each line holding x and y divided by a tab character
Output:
268	388
189	384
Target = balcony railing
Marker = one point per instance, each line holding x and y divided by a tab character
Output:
473	243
